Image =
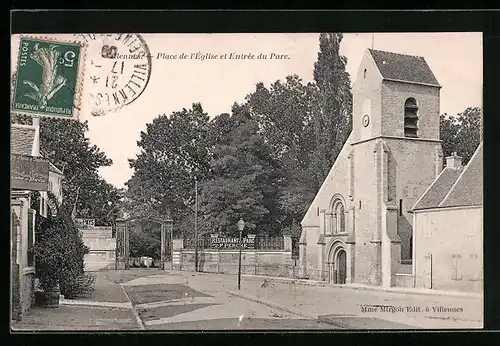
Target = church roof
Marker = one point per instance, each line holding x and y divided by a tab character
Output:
22	139
456	187
468	190
404	68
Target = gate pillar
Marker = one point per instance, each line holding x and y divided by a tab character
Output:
121	245
166	244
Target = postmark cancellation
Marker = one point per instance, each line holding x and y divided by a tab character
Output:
118	70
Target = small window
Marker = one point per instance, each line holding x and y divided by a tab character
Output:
364	74
411	118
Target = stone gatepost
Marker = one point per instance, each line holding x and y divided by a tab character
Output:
121	248
287	242
303	259
177	245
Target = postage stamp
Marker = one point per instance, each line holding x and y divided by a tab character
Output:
48	78
119	70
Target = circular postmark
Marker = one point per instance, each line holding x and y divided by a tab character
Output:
118	70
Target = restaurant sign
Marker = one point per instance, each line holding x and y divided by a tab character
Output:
29	172
248	242
85	223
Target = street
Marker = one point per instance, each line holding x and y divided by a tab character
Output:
150	299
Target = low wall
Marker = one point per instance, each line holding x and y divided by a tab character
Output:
102	248
257	262
27	289
404	280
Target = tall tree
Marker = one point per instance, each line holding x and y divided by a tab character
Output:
333	113
284	114
85	193
174	150
243	180
461	133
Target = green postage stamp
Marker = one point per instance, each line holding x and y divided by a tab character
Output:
48	78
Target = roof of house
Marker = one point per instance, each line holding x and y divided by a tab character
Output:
438	189
468	190
456	187
22	139
404	68
54	169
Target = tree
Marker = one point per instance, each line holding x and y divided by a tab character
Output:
284	115
333	107
174	150
63	142
59	251
242	182
145	239
86	193
462	133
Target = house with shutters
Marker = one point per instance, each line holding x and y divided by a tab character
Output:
360	226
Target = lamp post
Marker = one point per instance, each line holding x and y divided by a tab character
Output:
169	227
195	224
241	226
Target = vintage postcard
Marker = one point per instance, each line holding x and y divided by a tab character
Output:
296	181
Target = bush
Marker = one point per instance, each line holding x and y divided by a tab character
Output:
59	254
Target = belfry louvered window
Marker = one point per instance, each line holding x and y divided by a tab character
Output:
411	118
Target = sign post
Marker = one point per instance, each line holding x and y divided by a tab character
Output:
241	226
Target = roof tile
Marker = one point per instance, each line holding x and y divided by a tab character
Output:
22	139
439	189
406	68
468	190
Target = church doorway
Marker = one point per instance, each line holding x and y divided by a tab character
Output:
337	265
341	267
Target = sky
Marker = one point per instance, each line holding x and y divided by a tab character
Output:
455	58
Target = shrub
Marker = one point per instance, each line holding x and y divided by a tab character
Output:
59	251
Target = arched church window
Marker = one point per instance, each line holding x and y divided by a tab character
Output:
341	218
338	218
364	73
411	118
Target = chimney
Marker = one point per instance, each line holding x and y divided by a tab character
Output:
36	144
454	161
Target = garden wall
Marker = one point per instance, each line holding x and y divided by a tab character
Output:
273	262
102	247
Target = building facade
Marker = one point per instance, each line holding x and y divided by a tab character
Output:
102	248
359	226
29	173
448	228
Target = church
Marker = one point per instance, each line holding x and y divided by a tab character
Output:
359	227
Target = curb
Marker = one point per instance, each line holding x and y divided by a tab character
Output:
273	305
96	304
136	315
315	283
